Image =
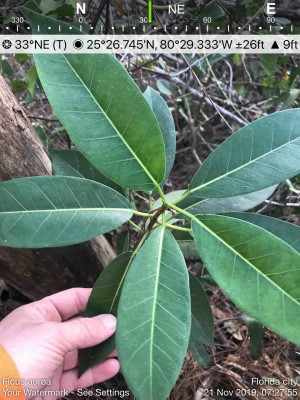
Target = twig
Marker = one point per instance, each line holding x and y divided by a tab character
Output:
98	15
196	93
42	118
135	226
195	75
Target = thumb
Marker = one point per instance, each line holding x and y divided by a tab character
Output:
86	332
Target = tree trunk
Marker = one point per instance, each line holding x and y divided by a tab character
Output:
40	272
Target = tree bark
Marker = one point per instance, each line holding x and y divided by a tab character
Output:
39	272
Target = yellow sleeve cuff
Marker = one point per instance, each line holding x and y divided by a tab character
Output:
10	381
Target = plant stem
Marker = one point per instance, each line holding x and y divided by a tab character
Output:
141	214
135	226
182	197
163	219
150	202
179	210
161	193
292	187
177	228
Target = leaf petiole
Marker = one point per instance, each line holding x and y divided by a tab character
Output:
135	226
182	197
178	228
142	214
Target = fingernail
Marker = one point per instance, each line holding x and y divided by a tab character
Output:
109	321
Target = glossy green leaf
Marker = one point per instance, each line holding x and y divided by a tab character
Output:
257	270
113	111
154	318
262	154
49	211
197	205
104	112
202	328
73	163
104	299
289	233
166	123
256	335
106	116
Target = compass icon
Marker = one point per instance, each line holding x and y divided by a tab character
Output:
6	44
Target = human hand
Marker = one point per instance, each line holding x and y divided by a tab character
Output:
43	340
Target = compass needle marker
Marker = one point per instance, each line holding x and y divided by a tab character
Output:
150	13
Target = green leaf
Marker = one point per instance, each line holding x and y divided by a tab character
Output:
262	154
197	205
42	134
202	323
164	87
104	299
212	10
154	318
257	270
104	112
287	232
123	242
166	123
31	76
49	211
112	124
5	68
106	116
202	328
73	163
200	354
256	335
40	23
18	86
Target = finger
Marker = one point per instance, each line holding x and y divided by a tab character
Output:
87	332
63	305
71	360
113	354
96	374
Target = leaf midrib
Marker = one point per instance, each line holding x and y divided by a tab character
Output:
154	308
112	124
248	262
242	166
64	210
